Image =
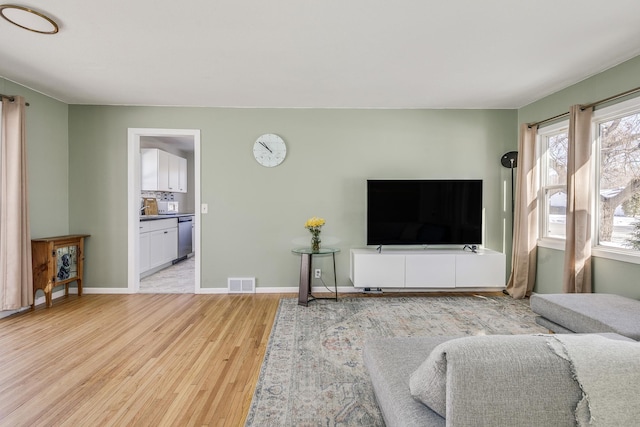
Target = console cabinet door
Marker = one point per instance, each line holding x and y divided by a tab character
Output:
431	271
378	270
480	270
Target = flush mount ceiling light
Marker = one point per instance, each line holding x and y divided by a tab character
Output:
28	19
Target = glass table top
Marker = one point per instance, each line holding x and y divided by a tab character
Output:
322	251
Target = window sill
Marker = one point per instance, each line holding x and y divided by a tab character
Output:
615	254
598	252
549	243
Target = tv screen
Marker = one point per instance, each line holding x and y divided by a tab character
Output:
424	212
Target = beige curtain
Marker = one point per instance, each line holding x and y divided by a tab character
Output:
525	222
15	240
577	256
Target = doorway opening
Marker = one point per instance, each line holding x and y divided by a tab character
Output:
183	144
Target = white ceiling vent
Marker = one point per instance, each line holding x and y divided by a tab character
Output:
241	285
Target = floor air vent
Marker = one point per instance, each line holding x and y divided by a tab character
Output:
242	285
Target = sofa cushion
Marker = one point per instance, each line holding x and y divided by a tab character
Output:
590	313
554	327
390	362
498	381
428	383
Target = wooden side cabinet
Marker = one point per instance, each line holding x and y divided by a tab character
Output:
57	261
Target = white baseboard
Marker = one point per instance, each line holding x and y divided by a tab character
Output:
428	290
216	291
105	291
277	290
39	300
314	289
259	290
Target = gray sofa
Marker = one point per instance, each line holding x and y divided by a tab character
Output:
587	313
517	380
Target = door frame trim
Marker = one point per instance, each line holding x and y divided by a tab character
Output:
133	197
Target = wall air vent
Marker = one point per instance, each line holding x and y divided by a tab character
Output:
241	285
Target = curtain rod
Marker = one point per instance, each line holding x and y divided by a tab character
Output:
584	107
11	98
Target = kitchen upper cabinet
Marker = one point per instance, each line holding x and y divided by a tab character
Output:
182	175
162	171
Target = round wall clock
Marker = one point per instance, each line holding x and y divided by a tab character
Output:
269	150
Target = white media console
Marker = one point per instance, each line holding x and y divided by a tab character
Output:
431	269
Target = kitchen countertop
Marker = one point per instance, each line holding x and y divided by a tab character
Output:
153	217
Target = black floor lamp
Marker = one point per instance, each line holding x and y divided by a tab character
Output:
510	160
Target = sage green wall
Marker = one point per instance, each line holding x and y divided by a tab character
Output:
47	160
608	276
256	214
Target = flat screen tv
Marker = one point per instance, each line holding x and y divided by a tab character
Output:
424	212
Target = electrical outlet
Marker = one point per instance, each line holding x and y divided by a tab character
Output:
318	273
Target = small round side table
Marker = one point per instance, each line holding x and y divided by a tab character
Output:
306	260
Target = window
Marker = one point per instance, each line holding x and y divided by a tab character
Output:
553	181
616	179
618	176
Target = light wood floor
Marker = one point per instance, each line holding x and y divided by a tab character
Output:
146	359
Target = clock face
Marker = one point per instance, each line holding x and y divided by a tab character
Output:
269	150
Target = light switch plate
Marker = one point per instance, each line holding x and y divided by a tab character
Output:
204	208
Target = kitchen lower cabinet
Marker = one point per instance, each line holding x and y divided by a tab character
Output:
163	246
145	259
158	243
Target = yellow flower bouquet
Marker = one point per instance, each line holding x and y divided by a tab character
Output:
314	225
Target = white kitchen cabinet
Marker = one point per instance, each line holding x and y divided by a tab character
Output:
144	252
427	269
162	171
182	175
174	173
158	243
163	246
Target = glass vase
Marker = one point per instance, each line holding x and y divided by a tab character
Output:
315	243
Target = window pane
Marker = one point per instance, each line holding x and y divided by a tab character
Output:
556	206
554	185
557	159
619	205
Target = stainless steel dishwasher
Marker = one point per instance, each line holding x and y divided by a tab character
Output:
185	243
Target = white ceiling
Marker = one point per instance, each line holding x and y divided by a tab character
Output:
319	53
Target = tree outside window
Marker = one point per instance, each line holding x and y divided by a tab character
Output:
619	182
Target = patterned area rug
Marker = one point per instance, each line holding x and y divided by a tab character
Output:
313	373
